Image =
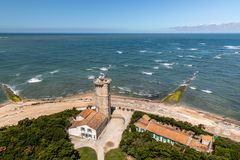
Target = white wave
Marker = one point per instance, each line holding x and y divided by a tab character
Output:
217	56
191	56
142	93
179	48
206	91
193	88
89	69
35	79
168	65
193	49
13	88
232	47
119	52
238	53
125	65
155	67
104	69
55	71
91	77
203	44
180	56
147	73
158	60
124	89
142	51
17	74
188	65
159	52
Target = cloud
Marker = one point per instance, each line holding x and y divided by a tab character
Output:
211	28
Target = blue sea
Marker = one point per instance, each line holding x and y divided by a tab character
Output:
140	65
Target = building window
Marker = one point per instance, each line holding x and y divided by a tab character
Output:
82	129
89	130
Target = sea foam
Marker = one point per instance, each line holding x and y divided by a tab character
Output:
232	47
124	89
147	73
168	65
91	77
142	51
193	88
206	91
193	49
55	71
119	52
35	79
158	60
217	56
104	69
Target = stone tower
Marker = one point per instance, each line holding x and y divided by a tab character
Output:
102	95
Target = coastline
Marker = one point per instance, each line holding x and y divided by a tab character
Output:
11	113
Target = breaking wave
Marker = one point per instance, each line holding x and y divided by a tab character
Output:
142	51
119	52
168	65
193	49
55	71
158	60
35	79
206	91
104	69
147	73
91	77
193	88
232	47
124	89
217	56
155	67
188	65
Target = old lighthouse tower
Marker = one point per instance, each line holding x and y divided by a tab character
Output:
102	95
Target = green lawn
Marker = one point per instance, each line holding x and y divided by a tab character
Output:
115	154
175	96
87	153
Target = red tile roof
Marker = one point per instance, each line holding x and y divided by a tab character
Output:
206	138
167	132
198	145
92	119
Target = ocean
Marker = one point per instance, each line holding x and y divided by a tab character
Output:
140	65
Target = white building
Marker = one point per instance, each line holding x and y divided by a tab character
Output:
88	124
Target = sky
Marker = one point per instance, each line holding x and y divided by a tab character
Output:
115	15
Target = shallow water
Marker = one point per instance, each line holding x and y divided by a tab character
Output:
144	65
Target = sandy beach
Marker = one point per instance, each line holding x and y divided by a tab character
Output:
11	113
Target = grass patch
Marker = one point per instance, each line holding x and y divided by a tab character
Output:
87	153
175	96
115	154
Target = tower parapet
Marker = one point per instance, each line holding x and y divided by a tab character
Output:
102	95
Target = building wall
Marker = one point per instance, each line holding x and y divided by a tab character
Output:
101	128
158	137
84	132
